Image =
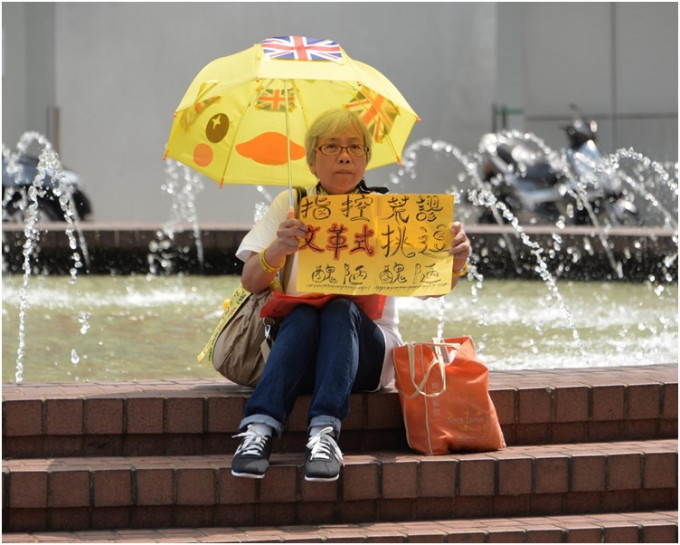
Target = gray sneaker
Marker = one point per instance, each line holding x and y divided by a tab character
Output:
252	456
323	457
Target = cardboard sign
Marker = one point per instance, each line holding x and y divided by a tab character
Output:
393	244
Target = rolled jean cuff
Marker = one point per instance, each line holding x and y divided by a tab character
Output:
324	420
276	426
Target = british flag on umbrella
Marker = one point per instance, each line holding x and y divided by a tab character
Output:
375	111
301	48
276	100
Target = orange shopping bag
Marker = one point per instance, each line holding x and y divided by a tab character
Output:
444	395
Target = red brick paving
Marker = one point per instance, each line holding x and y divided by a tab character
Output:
591	442
649	527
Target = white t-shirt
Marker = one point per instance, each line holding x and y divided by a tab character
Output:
264	233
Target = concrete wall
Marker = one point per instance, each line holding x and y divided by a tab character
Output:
28	70
617	61
116	72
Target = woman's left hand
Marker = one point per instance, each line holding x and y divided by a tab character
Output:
460	247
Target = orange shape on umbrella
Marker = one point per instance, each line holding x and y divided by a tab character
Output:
269	148
203	155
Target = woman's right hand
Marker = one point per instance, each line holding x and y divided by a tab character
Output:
288	235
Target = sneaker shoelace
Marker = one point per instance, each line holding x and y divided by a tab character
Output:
253	442
322	445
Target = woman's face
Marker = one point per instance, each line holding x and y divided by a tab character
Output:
339	174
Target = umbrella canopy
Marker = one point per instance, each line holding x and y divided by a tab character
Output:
244	117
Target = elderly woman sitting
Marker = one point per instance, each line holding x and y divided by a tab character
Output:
331	351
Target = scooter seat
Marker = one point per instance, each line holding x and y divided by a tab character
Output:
540	174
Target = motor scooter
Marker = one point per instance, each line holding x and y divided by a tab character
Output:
18	173
578	188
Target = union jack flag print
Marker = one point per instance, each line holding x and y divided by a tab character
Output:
375	111
301	48
275	100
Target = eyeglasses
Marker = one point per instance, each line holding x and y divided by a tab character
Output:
355	150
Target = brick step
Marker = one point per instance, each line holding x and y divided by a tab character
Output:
184	417
69	494
632	527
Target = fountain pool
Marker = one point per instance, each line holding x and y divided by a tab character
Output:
115	328
100	328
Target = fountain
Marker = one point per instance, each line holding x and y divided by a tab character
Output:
647	183
183	185
479	194
569	323
48	160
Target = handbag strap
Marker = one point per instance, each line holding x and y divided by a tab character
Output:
439	363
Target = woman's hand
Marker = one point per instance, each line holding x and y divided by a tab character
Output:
255	278
288	237
460	250
460	247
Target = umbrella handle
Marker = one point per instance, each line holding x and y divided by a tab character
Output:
291	208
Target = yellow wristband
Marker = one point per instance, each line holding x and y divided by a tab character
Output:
266	266
462	272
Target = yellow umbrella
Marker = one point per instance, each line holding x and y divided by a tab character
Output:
244	117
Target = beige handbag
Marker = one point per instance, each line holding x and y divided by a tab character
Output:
239	346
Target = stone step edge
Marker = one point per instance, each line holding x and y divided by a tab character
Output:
193	406
646	526
207	480
568	377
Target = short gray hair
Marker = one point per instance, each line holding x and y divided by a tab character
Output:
332	121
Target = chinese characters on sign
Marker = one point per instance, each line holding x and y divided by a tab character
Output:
359	244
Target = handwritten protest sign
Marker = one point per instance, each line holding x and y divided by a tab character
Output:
393	244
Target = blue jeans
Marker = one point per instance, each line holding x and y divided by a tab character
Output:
328	352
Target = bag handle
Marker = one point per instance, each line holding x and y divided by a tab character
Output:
439	363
